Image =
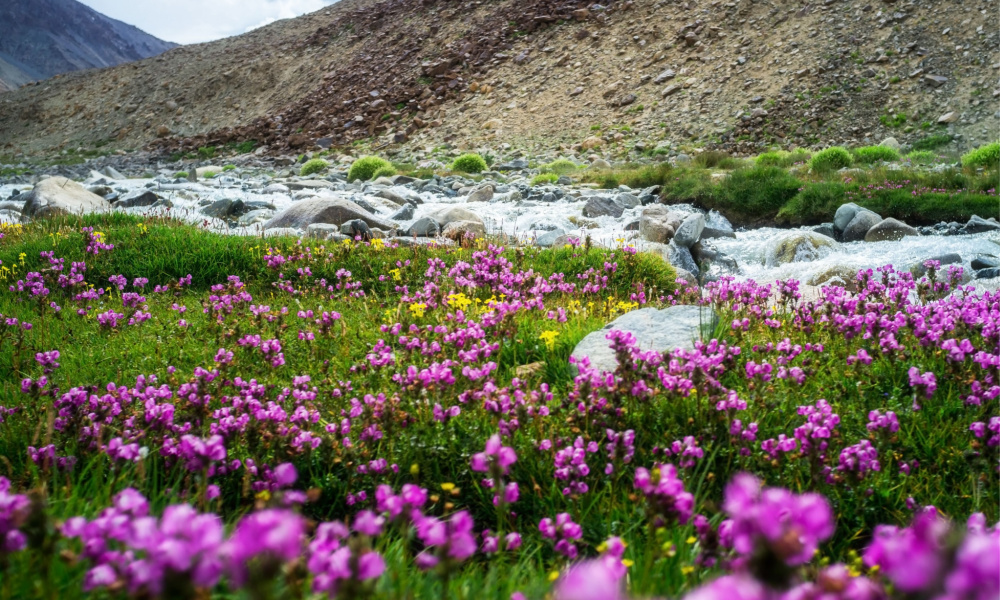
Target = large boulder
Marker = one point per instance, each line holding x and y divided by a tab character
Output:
680	257
839	275
336	211
889	230
717	226
978	224
602	206
798	246
858	228
457	230
424	227
655	224
451	214
690	230
483	193
60	196
844	214
661	330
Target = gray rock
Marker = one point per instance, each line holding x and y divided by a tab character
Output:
111	172
980	262
457	230
891	142
410	242
12	205
889	229
951	258
424	227
60	196
282	232
336	211
450	214
226	208
825	229
600	163
518	164
355	228
978	224
403	214
276	188
844	214
662	330
935	80
858	228
483	193
325	231
547	239
797	246
391	196
310	184
682	159
627	200
255	216
680	256
839	276
146	198
568	239
717	226
602	206
690	230
988	273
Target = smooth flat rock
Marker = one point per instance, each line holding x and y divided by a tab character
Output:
60	196
654	329
858	228
890	230
798	246
336	211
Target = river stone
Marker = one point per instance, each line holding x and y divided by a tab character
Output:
985	262
567	239
839	275
482	193
661	330
602	206
690	230
253	217
890	230
951	258
424	227
324	210
450	214
355	228
680	256
225	208
655	224
403	214
844	214
324	231
858	228
825	229
717	226
391	197
60	196
988	273
276	188
146	198
457	230
797	246
978	224
627	200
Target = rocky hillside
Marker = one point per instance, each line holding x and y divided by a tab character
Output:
42	38
625	76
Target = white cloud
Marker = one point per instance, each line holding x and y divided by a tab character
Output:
195	21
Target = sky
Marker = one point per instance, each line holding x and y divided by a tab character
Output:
194	21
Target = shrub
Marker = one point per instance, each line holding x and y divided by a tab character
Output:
816	202
831	159
711	159
633	176
560	166
228	168
867	155
922	157
365	167
209	174
933	142
758	192
313	166
469	163
987	156
206	152
181	174
544	178
388	171
781	158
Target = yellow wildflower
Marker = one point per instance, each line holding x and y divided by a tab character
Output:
395	274
418	309
447	486
549	337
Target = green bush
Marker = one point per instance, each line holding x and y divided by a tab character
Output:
388	171
831	159
933	142
469	163
922	157
758	192
365	167
181	174
780	158
867	155
714	159
560	166
228	168
544	178
316	165
987	156
634	176
206	152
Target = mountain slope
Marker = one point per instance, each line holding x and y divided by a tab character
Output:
739	75
42	38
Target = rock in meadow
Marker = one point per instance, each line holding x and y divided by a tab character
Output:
457	230
661	330
424	227
890	230
60	196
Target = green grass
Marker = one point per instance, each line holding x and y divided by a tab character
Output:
780	158
922	157
384	172
560	166
831	159
364	167
313	166
868	155
543	178
469	163
933	142
987	156
634	176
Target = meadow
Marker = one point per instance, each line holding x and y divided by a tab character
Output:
189	415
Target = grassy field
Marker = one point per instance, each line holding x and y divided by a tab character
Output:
279	388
